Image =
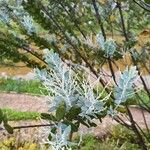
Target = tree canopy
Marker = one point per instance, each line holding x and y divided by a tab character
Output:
68	27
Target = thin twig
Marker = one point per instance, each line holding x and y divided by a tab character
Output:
141	6
29	126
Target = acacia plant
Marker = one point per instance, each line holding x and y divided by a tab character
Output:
87	37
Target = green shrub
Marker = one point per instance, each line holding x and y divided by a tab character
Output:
120	139
122	134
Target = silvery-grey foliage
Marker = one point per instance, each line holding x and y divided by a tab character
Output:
112	112
27	22
125	89
109	7
134	54
4	17
101	40
64	85
14	8
51	38
60	81
89	40
65	47
90	102
60	140
3	2
109	46
106	9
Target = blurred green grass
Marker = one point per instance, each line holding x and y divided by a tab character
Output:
34	87
13	115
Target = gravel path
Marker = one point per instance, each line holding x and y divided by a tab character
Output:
23	102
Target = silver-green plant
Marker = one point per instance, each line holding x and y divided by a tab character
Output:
124	90
109	46
73	100
60	139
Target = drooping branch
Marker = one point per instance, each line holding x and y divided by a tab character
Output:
143	5
136	131
98	17
29	126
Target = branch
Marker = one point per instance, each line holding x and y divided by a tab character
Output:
142	5
122	21
136	131
29	50
30	126
98	17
